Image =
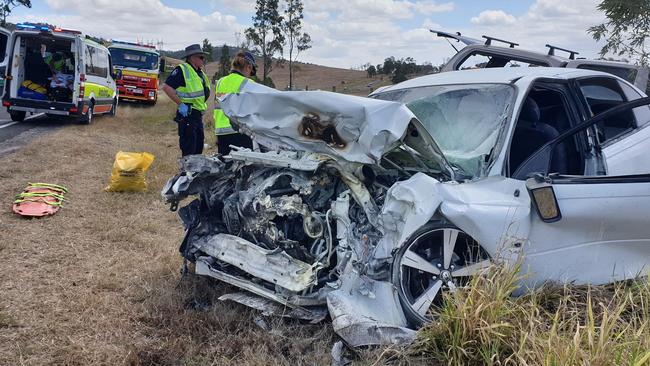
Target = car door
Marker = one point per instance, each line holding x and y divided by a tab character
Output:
625	137
99	84
588	229
5	41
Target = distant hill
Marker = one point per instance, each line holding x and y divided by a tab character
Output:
216	52
317	77
306	76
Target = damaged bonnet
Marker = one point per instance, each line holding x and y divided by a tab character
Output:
353	128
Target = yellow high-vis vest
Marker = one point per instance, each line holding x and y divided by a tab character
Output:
232	83
193	93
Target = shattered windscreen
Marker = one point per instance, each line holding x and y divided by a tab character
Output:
464	120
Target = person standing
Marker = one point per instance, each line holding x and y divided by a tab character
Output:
189	88
243	67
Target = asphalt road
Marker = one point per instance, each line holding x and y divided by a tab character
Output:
13	135
10	129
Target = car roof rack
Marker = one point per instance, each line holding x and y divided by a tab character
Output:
489	39
551	51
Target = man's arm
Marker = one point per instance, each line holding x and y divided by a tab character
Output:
171	93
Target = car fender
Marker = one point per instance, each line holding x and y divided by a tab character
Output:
495	211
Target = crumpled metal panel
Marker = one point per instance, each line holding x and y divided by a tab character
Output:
272	308
409	205
274	266
353	128
367	312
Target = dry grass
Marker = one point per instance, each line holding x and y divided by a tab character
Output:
555	325
99	282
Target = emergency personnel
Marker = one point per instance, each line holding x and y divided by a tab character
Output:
189	88
243	67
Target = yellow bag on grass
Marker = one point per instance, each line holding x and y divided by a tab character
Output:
128	172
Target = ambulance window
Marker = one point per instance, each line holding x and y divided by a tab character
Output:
96	62
3	46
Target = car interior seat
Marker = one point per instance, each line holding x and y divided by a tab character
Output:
531	134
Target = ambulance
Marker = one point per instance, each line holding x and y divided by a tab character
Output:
58	72
137	69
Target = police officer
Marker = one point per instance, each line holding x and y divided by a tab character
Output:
189	88
243	67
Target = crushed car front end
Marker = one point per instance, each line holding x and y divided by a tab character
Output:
313	220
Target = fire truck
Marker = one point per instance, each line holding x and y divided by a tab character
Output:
137	69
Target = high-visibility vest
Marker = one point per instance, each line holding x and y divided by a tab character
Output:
232	83
193	92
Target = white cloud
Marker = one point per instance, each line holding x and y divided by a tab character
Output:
147	20
430	24
493	17
430	7
557	22
344	32
247	6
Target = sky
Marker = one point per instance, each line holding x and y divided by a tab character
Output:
345	33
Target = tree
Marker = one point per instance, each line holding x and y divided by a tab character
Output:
372	71
224	61
266	33
292	27
626	30
389	65
207	48
9	5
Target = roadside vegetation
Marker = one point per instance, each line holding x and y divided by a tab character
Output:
554	325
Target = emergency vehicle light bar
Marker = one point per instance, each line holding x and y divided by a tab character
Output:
132	44
45	28
32	26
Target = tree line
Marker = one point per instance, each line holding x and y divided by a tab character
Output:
398	70
274	30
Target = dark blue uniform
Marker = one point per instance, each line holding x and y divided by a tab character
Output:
190	128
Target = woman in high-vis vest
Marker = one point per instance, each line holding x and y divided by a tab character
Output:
189	88
243	67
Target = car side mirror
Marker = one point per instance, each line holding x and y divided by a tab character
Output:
116	74
161	66
542	196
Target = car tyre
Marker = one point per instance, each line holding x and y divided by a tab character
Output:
88	117
113	111
437	258
17	116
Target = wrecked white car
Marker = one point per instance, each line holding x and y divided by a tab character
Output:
370	208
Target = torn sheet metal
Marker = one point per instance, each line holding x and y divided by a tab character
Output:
366	312
352	128
274	266
272	308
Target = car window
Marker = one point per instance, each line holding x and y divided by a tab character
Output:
3	46
479	60
542	160
601	94
627	73
449	112
641	114
96	61
544	115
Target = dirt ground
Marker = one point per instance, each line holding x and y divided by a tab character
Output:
98	283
